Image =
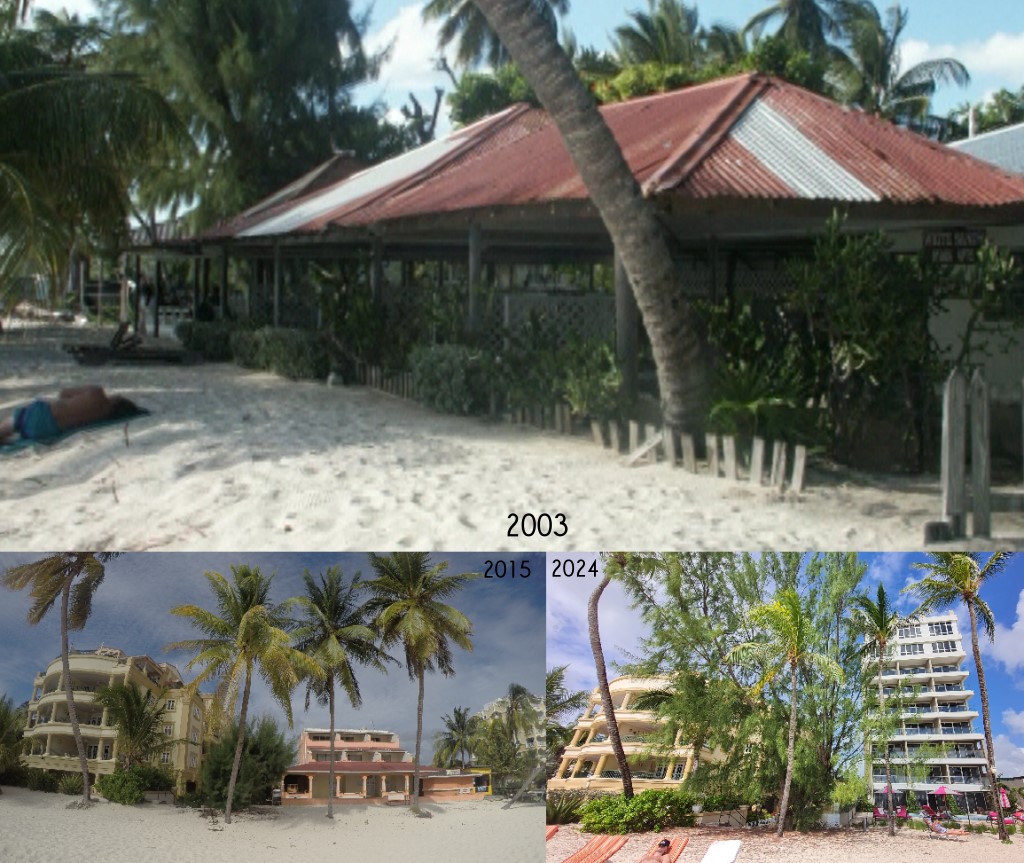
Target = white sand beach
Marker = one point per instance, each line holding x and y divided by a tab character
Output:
232	459
836	846
39	828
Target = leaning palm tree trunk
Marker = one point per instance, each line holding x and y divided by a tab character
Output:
638	237
65	660
790	753
526	784
997	804
237	763
606	694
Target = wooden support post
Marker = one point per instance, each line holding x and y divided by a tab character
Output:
277	283
981	458
729	457
597	432
954	444
711	446
757	462
634	435
778	475
156	296
651	431
648	447
799	468
626	329
474	288
689	453
613	432
223	296
671	446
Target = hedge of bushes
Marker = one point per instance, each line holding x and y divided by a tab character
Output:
449	378
130	786
295	354
649	810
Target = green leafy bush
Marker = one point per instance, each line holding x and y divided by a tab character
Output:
266	755
153	778
42	780
211	339
296	354
247	348
70	783
592	379
15	775
449	378
122	786
563	807
649	810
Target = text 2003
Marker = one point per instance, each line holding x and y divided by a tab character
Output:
537	525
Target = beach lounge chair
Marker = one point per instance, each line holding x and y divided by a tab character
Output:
597	850
902	814
880	815
927	810
725	851
937	831
675	849
551	831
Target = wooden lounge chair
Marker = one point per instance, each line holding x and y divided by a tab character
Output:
551	831
597	850
725	851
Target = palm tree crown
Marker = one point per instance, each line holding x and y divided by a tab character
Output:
245	635
666	33
137	714
457	738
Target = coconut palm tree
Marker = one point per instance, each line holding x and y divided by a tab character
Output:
878	621
874	79
639	238
559	703
477	42
408	598
137	714
955	577
12	724
460	730
74	577
335	634
520	711
789	633
804	24
666	33
244	636
606	693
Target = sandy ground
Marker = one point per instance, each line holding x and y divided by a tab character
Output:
233	459
39	828
835	846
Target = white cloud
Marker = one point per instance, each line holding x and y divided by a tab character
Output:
82	8
1005	649
1014	720
1009	756
1000	55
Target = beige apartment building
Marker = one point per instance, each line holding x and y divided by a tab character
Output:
49	739
588	763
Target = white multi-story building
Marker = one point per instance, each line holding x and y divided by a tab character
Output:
936	743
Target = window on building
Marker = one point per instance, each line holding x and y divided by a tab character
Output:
195	736
943	647
944	628
911	649
91	751
677	771
195	712
909	632
169	704
165	757
168	730
192	761
106	753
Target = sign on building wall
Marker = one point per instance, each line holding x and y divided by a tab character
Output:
953	245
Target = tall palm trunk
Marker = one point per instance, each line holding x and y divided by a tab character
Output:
888	769
790	752
639	238
237	763
65	661
331	790
420	674
990	753
606	694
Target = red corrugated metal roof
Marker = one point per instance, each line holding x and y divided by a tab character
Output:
747	136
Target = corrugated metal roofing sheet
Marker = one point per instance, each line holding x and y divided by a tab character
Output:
743	137
1001	147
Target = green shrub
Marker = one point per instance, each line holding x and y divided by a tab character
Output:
296	354
42	780
592	379
449	378
649	810
153	778
266	756
563	807
211	339
122	786
70	784
16	775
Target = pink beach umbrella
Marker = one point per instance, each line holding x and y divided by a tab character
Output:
1004	799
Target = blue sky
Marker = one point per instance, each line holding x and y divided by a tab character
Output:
987	36
131	611
1003	659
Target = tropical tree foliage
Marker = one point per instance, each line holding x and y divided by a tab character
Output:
668	33
408	600
334	633
454	743
74	577
12	724
267	754
137	714
958	577
476	42
245	635
560	703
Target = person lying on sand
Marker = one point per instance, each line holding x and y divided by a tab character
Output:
936	827
73	407
658	854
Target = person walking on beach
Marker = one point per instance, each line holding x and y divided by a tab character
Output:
73	407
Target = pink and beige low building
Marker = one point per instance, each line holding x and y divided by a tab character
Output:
370	766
